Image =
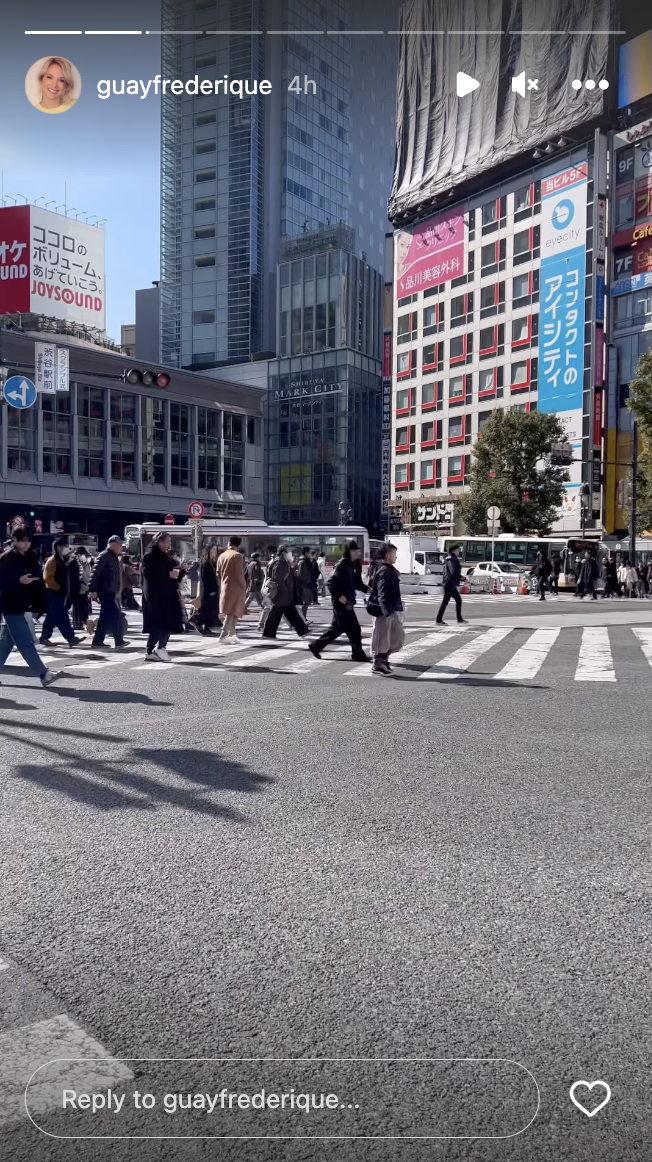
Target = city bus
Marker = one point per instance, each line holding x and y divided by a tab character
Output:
567	552
189	539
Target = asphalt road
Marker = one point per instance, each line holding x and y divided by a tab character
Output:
280	860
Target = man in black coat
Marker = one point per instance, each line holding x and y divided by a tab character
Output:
587	576
106	585
451	580
541	570
346	580
161	606
20	593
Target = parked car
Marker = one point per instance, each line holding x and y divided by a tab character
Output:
506	573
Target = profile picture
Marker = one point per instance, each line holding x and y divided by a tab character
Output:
53	84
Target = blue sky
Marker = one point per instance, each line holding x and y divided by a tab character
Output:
103	156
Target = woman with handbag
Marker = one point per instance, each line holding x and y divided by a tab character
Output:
386	607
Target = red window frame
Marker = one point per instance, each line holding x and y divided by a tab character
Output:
436	441
406	483
467	348
494	347
412	364
457	400
516	387
527	342
410	440
461	439
428	407
438	357
406	411
458	479
490	391
425	481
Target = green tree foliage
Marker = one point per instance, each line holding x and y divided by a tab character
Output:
640	403
511	467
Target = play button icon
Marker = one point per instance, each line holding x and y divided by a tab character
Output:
466	84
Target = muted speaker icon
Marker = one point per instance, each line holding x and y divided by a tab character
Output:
518	84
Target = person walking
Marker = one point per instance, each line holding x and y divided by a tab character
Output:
105	585
127	599
161	605
541	570
321	580
78	599
233	589
386	607
631	580
587	577
343	585
20	582
282	591
641	583
451	579
609	577
255	581
306	580
206	617
56	576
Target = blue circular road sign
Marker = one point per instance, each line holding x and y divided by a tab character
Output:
20	392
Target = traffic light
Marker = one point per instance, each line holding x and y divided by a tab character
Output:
147	378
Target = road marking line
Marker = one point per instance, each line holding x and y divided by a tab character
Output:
527	661
411	650
23	1050
595	663
261	657
459	661
645	639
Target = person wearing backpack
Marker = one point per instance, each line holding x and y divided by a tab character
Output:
346	580
386	607
451	579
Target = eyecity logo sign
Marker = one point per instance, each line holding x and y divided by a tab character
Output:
562	215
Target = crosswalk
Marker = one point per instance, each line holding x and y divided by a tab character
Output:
431	653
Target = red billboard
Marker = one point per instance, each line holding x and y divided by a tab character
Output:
387	356
429	254
14	260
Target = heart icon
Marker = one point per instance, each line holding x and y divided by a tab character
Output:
590	1085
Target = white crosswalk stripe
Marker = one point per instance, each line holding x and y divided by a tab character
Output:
460	660
412	649
595	663
645	638
528	660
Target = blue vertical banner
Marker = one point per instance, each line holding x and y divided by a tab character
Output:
561	342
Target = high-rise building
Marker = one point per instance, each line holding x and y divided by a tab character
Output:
240	174
312	162
499	200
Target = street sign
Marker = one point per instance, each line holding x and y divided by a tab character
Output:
63	369
493	527
196	509
45	355
20	392
493	512
169	520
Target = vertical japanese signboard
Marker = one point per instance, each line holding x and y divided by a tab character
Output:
45	356
563	267
63	366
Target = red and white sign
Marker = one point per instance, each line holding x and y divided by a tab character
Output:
428	255
51	265
564	180
597	419
196	509
169	520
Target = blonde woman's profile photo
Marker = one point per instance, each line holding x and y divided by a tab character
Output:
53	84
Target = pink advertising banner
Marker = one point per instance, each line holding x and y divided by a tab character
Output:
428	254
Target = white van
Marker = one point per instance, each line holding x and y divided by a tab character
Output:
420	555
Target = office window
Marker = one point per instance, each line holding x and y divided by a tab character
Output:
202	204
403	363
429	395
56	433
21	439
520	330
206	61
180	446
204	175
455	466
203	232
91	431
401	474
209	429
152	418
487	381
456	387
483	419
204	260
520	373
455	428
203	317
207	118
520	286
234	452
403	399
123	436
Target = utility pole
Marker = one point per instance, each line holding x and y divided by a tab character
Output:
632	524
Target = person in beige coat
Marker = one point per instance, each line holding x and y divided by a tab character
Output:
233	588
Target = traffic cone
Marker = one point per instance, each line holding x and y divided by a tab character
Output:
466	588
495	588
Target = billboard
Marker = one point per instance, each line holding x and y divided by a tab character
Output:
561	345
51	265
429	254
443	140
635	70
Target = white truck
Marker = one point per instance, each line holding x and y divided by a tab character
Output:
420	555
